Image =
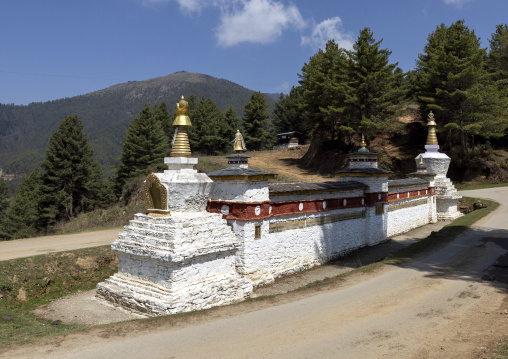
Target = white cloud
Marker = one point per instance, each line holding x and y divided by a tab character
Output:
257	21
458	3
186	6
283	87
327	30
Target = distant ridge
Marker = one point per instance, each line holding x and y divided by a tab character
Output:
106	113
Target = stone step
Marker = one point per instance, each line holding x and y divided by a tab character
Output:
182	253
121	282
177	236
149	291
197	219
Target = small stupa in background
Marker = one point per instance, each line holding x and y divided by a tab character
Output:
437	163
238	182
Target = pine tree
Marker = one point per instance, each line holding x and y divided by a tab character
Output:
324	83
162	115
144	147
98	193
23	213
498	56
258	130
194	131
66	189
454	84
372	81
212	128
288	115
233	124
4	195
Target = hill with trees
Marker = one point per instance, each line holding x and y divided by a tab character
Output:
106	114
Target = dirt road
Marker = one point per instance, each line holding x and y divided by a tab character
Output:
434	307
33	246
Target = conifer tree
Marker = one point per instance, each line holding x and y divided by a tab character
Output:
144	147
454	84
233	124
23	213
498	56
195	117
162	115
288	115
371	80
213	129
209	131
66	188
257	124
4	195
324	82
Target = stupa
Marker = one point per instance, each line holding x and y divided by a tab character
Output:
177	257
437	163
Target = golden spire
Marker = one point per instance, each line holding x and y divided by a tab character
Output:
181	146
431	138
239	143
421	161
363	145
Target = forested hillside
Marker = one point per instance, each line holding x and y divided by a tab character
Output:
106	114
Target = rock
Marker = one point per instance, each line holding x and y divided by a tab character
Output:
479	205
22	295
56	322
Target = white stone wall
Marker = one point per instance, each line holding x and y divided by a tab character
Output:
432	209
447	207
407	218
240	191
376	226
281	253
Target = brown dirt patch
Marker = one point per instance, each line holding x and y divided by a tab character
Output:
87	263
286	164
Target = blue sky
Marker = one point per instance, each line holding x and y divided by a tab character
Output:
62	48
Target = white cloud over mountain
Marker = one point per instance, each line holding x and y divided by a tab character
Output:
264	21
257	21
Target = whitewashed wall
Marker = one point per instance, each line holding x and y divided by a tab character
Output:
277	254
407	218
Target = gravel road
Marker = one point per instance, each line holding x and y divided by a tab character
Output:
33	246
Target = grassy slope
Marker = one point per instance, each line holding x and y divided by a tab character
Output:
27	283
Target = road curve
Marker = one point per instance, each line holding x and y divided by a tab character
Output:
28	247
434	307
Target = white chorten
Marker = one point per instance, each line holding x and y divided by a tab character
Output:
438	163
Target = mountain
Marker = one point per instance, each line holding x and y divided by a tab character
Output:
106	114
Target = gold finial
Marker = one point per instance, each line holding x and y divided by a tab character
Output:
181	146
239	143
431	138
181	107
421	160
363	145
